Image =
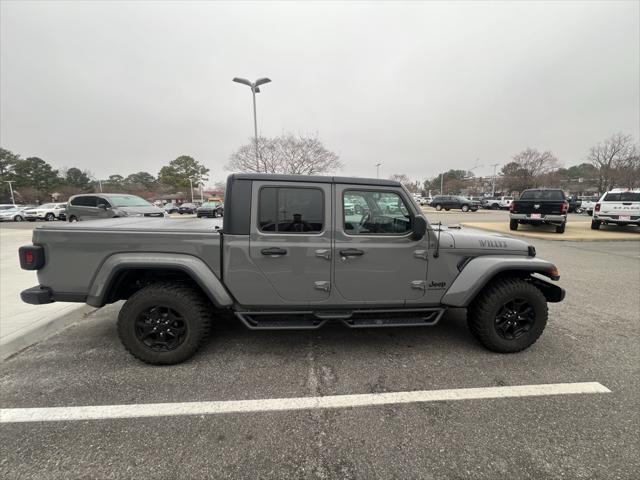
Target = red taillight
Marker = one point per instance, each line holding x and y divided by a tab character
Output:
31	257
512	206
597	207
565	207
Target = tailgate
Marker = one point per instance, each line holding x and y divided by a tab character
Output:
532	206
622	208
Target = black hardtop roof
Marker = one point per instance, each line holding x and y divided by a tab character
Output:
314	178
100	194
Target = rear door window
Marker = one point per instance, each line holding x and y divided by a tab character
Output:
291	210
87	201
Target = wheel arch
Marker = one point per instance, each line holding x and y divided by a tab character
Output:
122	274
478	272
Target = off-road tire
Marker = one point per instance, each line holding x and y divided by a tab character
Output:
192	305
481	314
438	207
561	228
465	208
513	224
595	225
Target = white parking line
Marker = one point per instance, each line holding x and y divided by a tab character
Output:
17	415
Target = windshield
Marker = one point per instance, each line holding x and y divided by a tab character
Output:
210	204
48	205
128	201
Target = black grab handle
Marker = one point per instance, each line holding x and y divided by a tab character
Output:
351	252
273	251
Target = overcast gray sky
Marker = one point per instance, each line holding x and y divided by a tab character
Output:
119	87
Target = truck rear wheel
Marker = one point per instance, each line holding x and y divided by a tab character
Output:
560	228
595	225
508	316
164	324
513	224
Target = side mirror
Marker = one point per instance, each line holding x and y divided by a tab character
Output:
102	206
419	227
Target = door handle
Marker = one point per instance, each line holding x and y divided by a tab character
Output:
351	252
324	253
273	252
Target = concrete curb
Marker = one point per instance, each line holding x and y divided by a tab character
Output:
17	341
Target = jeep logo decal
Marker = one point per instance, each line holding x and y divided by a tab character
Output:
493	244
437	285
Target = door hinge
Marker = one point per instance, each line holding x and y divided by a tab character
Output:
324	253
423	254
323	285
419	284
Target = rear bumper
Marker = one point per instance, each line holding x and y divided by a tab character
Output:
37	295
605	219
40	295
522	217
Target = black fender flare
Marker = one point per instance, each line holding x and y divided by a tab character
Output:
478	272
192	266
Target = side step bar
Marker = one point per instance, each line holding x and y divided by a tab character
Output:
304	320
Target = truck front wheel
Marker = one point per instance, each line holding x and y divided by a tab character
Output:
508	316
164	323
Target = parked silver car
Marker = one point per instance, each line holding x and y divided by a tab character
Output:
14	214
109	205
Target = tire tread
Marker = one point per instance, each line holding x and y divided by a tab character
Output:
479	313
196	301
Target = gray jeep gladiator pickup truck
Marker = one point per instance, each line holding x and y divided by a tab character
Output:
293	253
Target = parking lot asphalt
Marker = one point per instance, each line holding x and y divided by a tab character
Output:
593	336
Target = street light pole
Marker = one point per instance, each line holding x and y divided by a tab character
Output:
493	186
10	182
378	170
254	89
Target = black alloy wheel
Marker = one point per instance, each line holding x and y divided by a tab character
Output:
514	319
160	328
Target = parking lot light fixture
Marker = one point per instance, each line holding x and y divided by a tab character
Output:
255	88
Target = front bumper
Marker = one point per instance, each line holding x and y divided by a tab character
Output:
524	218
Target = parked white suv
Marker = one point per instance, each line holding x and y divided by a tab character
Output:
497	203
618	207
47	211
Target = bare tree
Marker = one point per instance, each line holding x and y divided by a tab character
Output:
610	157
529	168
288	154
413	187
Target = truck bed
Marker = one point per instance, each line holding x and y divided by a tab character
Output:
79	249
